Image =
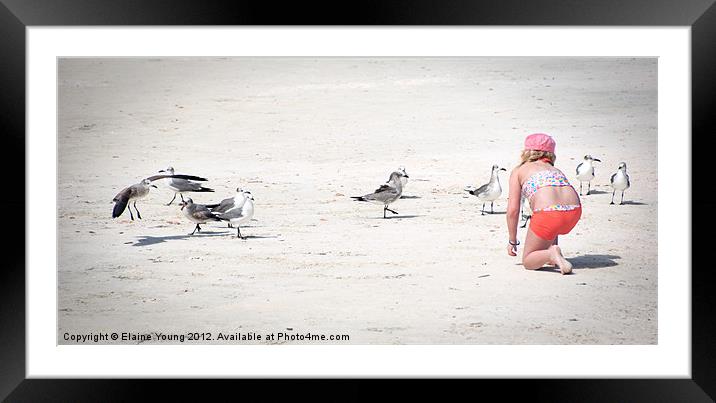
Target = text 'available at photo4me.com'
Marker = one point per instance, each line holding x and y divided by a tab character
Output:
187	337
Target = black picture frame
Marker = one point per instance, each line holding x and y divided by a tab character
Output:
16	15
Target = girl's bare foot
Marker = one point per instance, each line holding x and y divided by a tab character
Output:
557	258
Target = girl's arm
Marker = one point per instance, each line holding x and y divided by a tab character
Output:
513	208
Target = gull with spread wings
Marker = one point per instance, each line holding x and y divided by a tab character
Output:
139	191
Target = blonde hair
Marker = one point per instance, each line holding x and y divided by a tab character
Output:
534	155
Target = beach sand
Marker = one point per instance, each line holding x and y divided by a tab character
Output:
304	134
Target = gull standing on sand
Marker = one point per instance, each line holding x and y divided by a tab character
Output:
239	215
620	181
490	191
526	212
197	213
232	202
585	172
387	193
140	191
179	185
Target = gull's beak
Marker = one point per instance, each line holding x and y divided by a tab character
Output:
598	160
154	186
503	169
183	204
162	170
406	175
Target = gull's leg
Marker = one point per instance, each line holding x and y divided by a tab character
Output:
580	188
182	196
492	207
622	202
589	184
129	207
195	228
384	209
392	211
483	209
170	203
614	191
198	227
135	207
238	232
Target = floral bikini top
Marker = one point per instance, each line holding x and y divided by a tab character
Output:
544	178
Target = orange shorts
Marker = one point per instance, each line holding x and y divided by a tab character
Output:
548	224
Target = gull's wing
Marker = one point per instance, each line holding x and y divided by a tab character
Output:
222	207
611	180
185	185
121	201
189	177
385	188
384	193
203	213
579	166
231	214
479	190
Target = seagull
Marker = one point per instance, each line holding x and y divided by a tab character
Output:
232	202
197	213
139	191
238	215
620	181
526	211
585	172
179	185
489	192
387	193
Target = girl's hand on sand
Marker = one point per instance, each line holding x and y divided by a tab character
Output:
511	249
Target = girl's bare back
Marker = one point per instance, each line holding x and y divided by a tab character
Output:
547	195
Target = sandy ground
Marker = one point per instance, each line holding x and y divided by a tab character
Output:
303	135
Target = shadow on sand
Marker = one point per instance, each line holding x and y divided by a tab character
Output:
256	236
583	262
596	192
392	217
153	240
633	203
409	197
593	261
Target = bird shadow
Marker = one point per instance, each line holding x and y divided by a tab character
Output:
410	197
153	240
495	213
258	236
596	192
633	203
392	217
593	261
